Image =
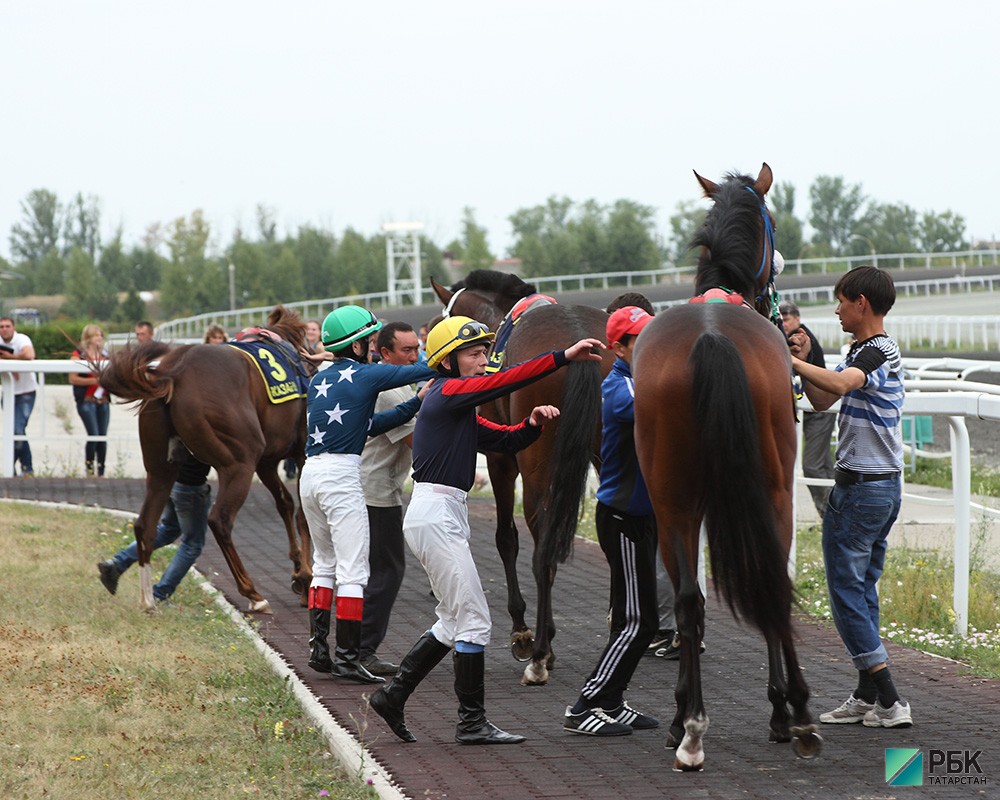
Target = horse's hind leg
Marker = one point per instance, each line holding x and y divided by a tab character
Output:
806	741
777	693
234	486
690	723
268	473
542	657
503	474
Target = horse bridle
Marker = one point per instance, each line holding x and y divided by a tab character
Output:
765	263
446	311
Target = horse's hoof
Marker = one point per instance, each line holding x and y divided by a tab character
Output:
300	585
807	743
779	737
550	662
260	607
680	766
522	645
535	674
674	738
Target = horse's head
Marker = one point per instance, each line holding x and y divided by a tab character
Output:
288	325
484	295
737	238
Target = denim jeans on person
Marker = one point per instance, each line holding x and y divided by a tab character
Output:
95	417
855	527
23	406
186	516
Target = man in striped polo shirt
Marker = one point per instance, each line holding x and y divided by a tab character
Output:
865	501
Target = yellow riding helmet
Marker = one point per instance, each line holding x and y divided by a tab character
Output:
453	334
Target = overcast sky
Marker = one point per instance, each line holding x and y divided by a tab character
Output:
354	114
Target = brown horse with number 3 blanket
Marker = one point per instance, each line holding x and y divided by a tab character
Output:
212	401
715	437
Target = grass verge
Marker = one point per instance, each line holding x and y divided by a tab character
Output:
99	700
916	598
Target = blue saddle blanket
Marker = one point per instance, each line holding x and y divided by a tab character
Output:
284	379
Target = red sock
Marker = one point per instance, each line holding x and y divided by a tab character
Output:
321	597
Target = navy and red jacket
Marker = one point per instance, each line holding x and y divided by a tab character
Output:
449	432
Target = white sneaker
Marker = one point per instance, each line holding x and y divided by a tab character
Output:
896	717
853	709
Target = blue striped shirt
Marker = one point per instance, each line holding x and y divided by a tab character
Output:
870	432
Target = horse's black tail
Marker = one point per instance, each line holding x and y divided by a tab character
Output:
579	420
749	566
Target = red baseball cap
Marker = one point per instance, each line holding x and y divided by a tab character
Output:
625	321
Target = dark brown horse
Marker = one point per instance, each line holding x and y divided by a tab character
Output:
554	469
210	401
715	435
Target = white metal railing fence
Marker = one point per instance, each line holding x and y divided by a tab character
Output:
192	328
958	259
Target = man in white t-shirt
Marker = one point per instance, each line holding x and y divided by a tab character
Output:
17	346
385	466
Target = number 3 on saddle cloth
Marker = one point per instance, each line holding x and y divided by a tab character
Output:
278	364
495	356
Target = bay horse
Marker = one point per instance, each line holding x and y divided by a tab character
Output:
554	469
210	401
715	436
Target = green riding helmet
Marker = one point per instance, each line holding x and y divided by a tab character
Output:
347	324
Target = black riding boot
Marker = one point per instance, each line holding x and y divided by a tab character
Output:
473	727
347	656
319	648
388	701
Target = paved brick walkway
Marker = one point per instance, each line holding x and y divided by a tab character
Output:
952	711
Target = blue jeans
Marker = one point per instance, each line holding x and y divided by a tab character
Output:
855	527
95	417
24	404
186	516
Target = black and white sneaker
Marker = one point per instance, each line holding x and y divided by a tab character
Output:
660	641
594	722
636	720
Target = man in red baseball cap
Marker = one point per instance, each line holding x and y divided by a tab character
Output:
626	530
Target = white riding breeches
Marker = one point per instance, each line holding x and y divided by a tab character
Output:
436	528
334	504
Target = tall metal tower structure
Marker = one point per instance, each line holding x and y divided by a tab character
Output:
402	251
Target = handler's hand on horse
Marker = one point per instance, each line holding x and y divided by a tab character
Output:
316	358
539	414
799	345
424	389
584	350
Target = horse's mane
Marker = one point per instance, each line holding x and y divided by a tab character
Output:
731	238
503	284
288	324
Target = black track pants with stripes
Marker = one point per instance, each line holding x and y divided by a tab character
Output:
630	545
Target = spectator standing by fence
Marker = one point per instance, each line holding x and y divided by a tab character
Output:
18	347
91	400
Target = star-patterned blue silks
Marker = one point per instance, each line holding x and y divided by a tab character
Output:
341	404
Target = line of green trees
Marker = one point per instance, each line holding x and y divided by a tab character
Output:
56	248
